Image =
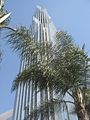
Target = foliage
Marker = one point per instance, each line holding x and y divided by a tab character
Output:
66	67
62	65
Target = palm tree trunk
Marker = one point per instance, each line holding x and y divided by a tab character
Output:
80	106
81	112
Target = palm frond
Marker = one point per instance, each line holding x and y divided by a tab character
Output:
20	39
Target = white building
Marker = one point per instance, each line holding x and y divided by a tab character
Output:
28	100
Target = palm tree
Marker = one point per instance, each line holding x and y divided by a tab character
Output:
70	68
65	70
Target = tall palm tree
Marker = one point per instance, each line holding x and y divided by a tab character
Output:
65	71
71	71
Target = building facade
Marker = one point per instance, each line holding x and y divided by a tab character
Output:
30	104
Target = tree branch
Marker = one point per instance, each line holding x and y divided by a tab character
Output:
5	27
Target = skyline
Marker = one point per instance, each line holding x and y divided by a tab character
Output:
73	17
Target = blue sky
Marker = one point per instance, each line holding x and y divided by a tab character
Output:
72	16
